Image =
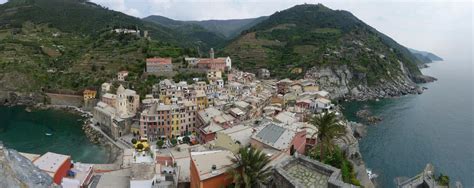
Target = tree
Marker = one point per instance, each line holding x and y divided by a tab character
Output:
252	170
140	146
174	141
328	128
443	180
160	143
186	139
134	141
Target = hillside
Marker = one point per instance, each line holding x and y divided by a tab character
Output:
84	17
313	37
52	53
228	29
425	57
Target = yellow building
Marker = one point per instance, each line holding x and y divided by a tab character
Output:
89	94
310	88
201	100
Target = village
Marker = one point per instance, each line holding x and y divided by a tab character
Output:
191	134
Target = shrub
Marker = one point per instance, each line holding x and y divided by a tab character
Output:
186	139
174	141
140	146
443	180
160	143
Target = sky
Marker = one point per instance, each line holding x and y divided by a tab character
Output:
442	27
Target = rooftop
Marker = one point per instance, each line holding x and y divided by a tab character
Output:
156	60
304	172
204	162
275	136
51	162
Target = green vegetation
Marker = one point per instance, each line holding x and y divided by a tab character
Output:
187	140
188	76
252	170
134	141
174	141
443	180
336	159
56	47
160	143
328	128
216	30
313	35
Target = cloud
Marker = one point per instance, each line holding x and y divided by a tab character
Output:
119	5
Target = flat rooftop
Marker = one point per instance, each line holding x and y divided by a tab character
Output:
306	176
205	160
50	162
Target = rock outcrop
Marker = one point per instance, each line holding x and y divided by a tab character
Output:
350	145
18	171
10	98
341	82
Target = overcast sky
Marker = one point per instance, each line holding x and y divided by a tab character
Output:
441	27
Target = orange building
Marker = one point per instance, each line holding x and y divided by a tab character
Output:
209	168
56	165
89	94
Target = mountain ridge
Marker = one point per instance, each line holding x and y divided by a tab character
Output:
308	38
424	56
228	29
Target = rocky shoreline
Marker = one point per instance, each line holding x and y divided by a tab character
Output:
11	98
340	82
349	143
98	138
33	101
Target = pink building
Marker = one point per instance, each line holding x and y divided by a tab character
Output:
212	64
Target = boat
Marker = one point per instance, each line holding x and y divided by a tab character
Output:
371	174
48	134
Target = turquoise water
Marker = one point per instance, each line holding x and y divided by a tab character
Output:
435	127
27	132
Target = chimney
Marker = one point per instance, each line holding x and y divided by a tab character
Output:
211	53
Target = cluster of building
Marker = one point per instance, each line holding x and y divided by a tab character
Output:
219	116
164	66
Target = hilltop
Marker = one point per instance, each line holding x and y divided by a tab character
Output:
51	45
332	45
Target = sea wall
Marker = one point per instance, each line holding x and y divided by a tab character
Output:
65	99
98	138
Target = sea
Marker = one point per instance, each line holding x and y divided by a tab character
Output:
435	127
42	131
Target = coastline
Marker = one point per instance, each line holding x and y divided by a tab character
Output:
115	153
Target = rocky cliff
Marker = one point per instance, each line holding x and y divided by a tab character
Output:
350	145
9	98
17	171
342	82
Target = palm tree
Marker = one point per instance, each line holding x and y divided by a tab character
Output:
253	168
328	128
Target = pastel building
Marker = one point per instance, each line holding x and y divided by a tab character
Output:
217	64
209	168
168	121
114	113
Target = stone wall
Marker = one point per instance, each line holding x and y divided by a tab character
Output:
64	99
